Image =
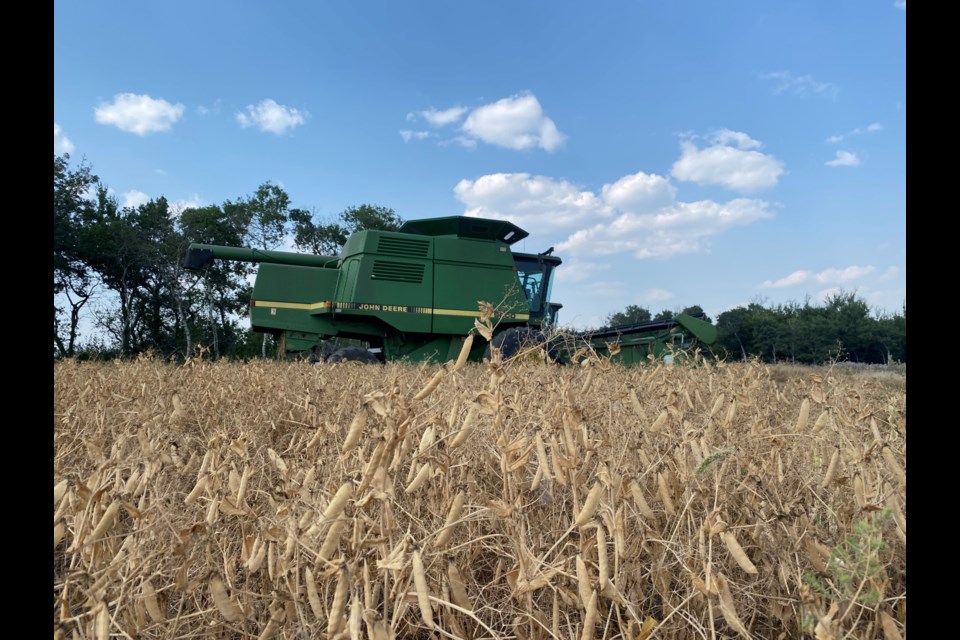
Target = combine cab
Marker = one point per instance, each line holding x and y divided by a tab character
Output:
413	294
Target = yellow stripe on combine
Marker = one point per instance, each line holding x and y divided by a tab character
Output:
474	314
455	312
327	305
291	305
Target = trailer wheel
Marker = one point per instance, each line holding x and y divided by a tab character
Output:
352	354
514	340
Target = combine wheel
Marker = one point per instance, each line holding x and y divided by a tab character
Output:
353	354
516	340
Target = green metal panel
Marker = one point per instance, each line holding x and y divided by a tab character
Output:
397	291
422	347
289	297
469	271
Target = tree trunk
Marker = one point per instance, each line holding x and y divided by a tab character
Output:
186	327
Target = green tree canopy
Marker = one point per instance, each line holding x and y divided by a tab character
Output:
633	314
326	237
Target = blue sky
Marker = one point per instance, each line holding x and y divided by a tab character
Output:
674	153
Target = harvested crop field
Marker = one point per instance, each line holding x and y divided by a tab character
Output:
282	500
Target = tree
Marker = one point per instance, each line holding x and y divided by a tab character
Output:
696	311
73	282
126	247
327	237
731	334
268	213
221	291
633	314
666	314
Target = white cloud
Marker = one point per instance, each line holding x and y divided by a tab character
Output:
900	4
794	278
890	274
738	138
825	294
637	213
516	122
840	276
139	114
179	206
683	227
61	143
133	199
268	116
741	168
528	200
801	85
576	270
873	127
655	295
442	118
463	141
844	159
639	193
827	276
408	135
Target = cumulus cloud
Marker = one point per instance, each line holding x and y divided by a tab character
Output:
844	159
827	276
739	167
639	193
133	199
441	118
408	135
517	122
139	114
841	276
794	278
800	85
684	227
61	143
737	138
528	200
270	117
637	213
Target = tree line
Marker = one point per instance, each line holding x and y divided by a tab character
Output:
843	327
119	285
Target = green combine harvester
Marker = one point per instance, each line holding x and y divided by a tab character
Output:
413	294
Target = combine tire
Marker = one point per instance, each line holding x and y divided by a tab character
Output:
353	354
515	340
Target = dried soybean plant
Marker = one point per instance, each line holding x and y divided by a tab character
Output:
496	500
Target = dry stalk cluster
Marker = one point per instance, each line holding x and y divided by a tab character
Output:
504	500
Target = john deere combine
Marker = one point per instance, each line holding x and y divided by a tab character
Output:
414	294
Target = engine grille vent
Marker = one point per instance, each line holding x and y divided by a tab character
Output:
403	247
397	271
